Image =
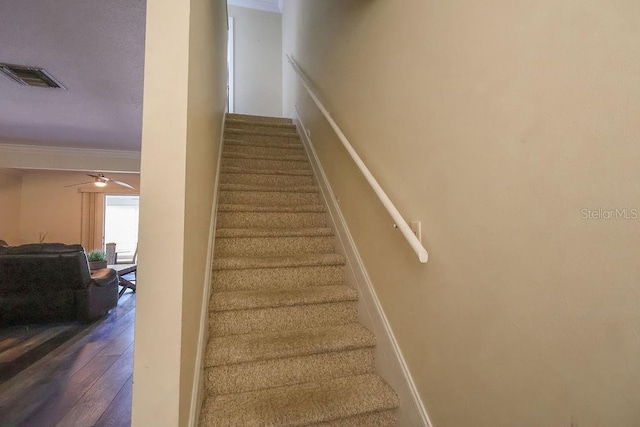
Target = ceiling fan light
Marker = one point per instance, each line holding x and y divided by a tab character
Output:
99	183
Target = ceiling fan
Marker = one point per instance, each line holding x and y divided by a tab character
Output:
100	180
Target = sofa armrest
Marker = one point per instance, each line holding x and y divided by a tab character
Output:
100	296
104	276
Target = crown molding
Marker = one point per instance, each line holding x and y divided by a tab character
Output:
267	6
21	156
43	150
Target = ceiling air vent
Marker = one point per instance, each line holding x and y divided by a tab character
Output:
30	76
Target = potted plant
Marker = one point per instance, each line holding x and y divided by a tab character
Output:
97	259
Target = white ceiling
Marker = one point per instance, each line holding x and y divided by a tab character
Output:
93	47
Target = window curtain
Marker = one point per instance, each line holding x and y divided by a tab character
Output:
92	223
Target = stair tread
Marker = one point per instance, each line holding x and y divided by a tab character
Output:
260	133
263	151
387	418
302	404
266	144
233	349
270	188
244	300
242	263
261	143
273	232
287	157
266	124
231	207
239	170
253	118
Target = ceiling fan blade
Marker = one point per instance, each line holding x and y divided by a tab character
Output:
95	176
124	184
82	183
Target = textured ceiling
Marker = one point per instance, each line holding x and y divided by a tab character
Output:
93	47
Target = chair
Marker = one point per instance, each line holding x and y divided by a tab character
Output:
127	269
126	260
123	271
111	253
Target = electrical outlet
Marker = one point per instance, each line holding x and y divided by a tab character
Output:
416	227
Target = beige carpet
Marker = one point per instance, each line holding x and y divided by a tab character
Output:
285	348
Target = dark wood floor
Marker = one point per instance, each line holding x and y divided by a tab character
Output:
69	374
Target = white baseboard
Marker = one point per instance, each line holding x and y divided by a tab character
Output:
198	378
390	363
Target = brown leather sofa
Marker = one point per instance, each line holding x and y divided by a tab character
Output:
51	282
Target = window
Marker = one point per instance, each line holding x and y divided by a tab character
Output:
121	224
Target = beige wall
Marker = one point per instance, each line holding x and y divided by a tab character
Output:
206	106
35	202
10	190
258	61
180	137
48	207
495	124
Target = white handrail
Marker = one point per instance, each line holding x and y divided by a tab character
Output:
400	223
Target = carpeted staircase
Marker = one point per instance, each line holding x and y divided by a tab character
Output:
285	348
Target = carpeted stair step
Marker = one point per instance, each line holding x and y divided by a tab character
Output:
334	401
273	242
268	195
250	136
294	158
260	126
272	319
236	349
277	278
288	144
244	312
270	132
251	216
242	263
270	373
263	161
287	172
291	178
259	119
261	148
271	232
278	133
239	363
247	300
378	419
